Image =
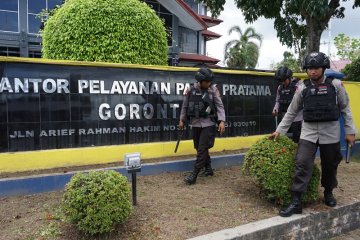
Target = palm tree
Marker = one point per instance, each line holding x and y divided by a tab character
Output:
243	52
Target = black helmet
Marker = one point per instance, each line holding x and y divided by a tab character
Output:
204	74
283	73
316	60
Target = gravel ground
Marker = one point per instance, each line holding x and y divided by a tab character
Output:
167	208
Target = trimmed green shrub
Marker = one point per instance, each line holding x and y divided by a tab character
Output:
272	163
120	31
96	201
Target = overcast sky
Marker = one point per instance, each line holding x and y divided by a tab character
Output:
271	50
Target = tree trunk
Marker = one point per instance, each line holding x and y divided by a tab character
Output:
316	26
314	30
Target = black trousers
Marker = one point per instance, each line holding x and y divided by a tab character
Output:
295	131
204	139
330	155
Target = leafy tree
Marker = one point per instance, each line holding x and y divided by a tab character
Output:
121	31
352	70
347	48
243	52
297	22
289	61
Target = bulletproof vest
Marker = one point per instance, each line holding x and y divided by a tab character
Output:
200	104
320	102
286	95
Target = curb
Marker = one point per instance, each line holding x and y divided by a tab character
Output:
318	225
52	182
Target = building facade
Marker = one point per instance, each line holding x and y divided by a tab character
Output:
185	20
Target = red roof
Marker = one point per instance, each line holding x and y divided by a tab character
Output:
210	35
192	57
192	13
210	21
338	65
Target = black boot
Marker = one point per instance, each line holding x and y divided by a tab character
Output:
294	207
191	179
208	171
329	198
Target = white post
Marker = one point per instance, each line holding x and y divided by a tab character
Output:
329	46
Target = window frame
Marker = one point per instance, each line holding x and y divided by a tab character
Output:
159	13
33	14
18	18
13	48
187	46
27	17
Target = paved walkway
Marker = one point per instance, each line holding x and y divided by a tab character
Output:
353	235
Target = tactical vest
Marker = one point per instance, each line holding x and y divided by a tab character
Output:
320	102
201	104
286	95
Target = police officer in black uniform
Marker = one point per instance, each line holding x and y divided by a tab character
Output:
285	94
203	107
322	100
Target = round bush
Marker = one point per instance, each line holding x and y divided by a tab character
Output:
120	31
96	201
272	163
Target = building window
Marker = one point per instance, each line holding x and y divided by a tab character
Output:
34	8
193	5
9	52
165	15
9	15
188	40
202	45
203	10
34	54
34	49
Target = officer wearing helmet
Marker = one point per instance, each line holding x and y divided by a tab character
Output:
322	100
203	107
285	94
